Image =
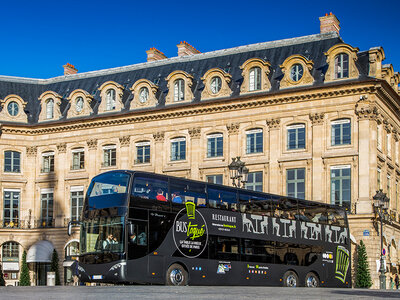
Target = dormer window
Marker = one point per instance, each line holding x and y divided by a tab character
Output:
216	84
50	109
341	66
110	99
255	79
13	108
296	72
79	104
179	90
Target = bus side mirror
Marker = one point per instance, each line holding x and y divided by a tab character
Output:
131	229
70	224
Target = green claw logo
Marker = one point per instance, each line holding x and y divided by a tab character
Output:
342	263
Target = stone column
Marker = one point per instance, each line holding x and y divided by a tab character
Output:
275	170
61	200
318	186
29	205
195	134
124	142
159	152
233	146
91	161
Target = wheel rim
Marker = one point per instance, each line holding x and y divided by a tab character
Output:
176	277
312	281
291	281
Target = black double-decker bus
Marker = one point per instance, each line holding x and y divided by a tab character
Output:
140	227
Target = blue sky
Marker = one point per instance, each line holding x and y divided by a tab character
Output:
38	37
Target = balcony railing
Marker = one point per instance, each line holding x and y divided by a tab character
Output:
28	223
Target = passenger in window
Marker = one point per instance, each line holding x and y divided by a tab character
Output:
108	242
142	239
176	198
160	196
132	238
302	216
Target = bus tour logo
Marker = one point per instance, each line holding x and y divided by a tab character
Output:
190	231
342	263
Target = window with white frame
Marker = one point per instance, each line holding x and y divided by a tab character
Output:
217	179
388	185
254	141
378	137
11	202
179	90
378	178
295	183
47	206
341	185
255	79
76	202
341	132
255	181
109	155
215	145
296	137
10	252
12	161
78	159
341	66
396	152
396	199
388	145
142	152
110	99
50	109
178	149
48	162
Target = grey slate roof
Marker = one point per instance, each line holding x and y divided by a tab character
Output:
312	47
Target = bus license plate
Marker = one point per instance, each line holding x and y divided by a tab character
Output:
97	277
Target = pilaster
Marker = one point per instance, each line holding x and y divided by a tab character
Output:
274	154
124	142
318	141
195	134
92	161
159	151
61	168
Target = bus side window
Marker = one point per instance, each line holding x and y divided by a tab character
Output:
225	198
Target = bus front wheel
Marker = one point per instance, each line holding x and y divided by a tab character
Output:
312	280
290	279
177	275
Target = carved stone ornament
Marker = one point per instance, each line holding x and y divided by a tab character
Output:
31	151
159	136
62	148
366	110
92	144
273	123
317	118
195	133
125	140
233	128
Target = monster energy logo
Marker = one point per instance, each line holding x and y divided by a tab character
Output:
342	263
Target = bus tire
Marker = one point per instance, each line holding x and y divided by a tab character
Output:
176	275
312	280
290	279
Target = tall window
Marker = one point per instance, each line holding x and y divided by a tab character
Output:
142	152
378	137
109	155
10	251
46	199
11	200
110	99
178	148
76	202
50	109
48	162
396	200
255	181
341	66
388	145
388	186
341	185
72	250
378	178
396	152
254	141
215	145
78	159
255	79
295	183
12	161
296	137
341	132
217	179
179	90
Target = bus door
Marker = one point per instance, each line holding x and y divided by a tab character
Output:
137	238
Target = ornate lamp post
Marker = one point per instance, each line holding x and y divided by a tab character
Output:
381	203
238	172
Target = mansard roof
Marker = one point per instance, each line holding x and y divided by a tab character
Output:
311	47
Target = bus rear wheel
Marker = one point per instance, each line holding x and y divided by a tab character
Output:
290	279
176	275
312	280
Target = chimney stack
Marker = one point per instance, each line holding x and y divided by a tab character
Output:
69	69
329	23
186	49
155	54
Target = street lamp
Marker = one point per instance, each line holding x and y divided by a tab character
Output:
381	203
238	172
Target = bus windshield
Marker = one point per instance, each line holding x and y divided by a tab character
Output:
108	190
104	234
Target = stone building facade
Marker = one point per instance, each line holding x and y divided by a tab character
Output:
312	117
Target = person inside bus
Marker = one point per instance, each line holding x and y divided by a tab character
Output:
108	242
302	216
142	240
176	198
160	196
132	238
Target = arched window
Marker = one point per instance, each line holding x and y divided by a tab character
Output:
341	65
179	90
12	161
255	79
72	250
50	109
110	99
10	251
